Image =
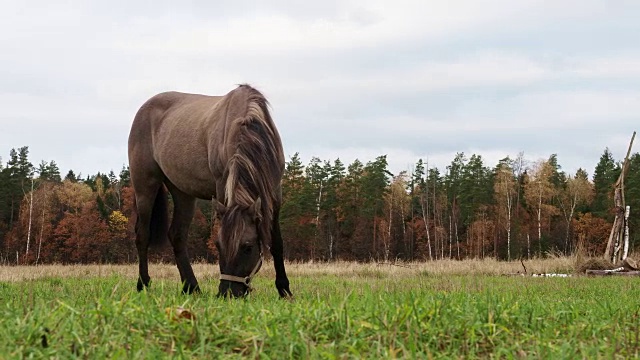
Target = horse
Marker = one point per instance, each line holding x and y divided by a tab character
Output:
220	148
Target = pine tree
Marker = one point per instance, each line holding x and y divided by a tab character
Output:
476	188
43	171
417	186
349	210
438	209
4	193
18	172
54	172
558	177
375	184
330	207
296	212
71	176
125	176
604	177
453	183
4	209
419	210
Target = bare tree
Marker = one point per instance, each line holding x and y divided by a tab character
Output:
26	254
578	191
505	194
539	191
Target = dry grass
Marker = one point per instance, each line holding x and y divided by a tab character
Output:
593	264
340	268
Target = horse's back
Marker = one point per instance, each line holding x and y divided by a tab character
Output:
167	140
188	138
157	112
158	106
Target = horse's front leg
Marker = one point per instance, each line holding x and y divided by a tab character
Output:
277	249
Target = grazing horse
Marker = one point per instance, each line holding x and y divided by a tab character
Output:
220	148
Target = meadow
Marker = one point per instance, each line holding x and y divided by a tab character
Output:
441	309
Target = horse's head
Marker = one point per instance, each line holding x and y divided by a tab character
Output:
239	247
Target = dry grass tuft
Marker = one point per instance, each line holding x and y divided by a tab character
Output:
596	263
205	272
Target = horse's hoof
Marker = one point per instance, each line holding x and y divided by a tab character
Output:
190	289
285	294
283	288
142	285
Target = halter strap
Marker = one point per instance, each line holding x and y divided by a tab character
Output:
243	280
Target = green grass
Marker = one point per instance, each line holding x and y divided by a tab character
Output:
370	315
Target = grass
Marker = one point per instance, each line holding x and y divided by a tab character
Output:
342	310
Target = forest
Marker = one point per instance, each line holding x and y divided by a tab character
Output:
515	209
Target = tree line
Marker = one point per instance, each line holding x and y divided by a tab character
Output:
360	211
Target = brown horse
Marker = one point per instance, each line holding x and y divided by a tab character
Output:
224	148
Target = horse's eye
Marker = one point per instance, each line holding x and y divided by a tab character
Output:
246	249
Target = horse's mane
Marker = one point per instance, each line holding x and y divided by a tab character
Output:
254	169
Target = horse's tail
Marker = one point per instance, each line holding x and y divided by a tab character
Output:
158	227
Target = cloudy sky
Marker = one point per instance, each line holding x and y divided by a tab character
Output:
349	79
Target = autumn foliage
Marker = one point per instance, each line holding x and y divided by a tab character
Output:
362	212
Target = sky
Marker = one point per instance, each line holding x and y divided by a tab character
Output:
345	79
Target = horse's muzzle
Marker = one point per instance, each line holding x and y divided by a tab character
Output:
232	289
238	286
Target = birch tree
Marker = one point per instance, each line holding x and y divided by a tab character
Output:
539	191
578	191
336	174
505	194
317	178
396	207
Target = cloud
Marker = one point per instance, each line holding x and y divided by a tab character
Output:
345	78
621	66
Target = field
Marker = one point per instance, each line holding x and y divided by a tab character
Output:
443	309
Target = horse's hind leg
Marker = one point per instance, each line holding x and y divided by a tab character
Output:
145	201
183	210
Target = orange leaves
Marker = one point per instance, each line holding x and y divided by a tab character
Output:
73	196
82	236
591	233
128	201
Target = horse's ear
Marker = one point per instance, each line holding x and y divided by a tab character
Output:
256	209
218	207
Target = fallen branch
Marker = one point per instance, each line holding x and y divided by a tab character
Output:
538	275
394	264
612	272
630	264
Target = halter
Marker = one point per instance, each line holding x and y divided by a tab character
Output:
244	280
